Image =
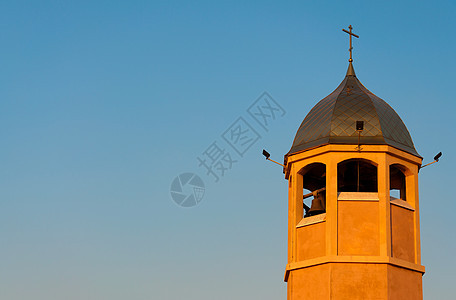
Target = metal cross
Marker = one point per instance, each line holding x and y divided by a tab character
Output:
351	34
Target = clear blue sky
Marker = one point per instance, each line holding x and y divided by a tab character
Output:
103	103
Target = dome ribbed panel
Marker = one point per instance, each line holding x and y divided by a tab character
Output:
393	128
333	121
316	126
354	105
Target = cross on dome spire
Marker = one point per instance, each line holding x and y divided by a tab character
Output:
350	33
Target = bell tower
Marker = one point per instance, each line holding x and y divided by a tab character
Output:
353	209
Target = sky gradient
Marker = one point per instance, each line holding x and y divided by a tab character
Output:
104	103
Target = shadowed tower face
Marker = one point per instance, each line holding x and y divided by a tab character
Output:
353	213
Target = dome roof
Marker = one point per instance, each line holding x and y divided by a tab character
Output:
333	119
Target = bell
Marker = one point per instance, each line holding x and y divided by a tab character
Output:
318	205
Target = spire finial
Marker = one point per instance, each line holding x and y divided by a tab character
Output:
350	33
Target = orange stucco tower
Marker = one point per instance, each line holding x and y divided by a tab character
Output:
356	234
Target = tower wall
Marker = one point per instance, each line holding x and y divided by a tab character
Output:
355	281
358	227
404	284
366	245
312	241
402	233
310	283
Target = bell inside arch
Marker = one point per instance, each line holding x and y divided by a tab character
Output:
318	205
314	184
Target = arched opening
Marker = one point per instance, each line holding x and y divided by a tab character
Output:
314	185
397	182
356	175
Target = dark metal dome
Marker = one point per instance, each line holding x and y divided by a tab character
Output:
333	119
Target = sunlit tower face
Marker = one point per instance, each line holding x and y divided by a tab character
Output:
353	213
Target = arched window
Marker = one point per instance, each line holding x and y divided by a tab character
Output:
356	175
314	185
397	182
